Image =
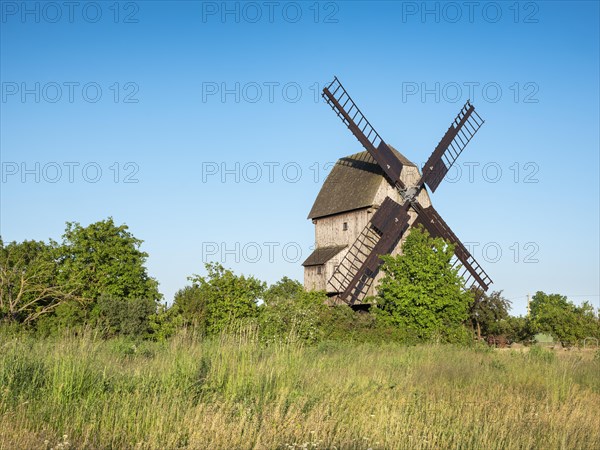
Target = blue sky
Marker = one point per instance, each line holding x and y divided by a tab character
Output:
199	125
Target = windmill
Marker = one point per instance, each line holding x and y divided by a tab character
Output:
405	203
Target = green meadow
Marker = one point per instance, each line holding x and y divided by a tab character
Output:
234	392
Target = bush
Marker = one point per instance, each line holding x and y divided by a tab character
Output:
304	316
166	322
67	316
219	299
292	319
128	317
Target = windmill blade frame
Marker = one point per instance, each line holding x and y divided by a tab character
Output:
437	227
362	262
342	104
459	134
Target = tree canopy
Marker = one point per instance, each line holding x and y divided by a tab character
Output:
55	285
284	289
104	258
28	281
220	298
554	314
97	276
487	313
421	292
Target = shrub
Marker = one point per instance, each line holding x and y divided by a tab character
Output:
289	319
128	317
219	299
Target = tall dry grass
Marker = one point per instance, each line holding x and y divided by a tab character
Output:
232	392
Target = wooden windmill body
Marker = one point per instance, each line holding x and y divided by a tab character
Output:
370	200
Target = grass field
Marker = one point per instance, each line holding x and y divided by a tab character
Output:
82	392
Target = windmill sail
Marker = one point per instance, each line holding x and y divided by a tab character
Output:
356	272
472	273
460	132
336	96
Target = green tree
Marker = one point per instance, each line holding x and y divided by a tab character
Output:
284	289
220	298
104	258
514	328
487	313
589	320
421	292
554	314
28	281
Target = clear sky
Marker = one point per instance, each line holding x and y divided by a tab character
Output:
199	125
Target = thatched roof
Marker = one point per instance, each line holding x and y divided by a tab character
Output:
323	254
352	184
